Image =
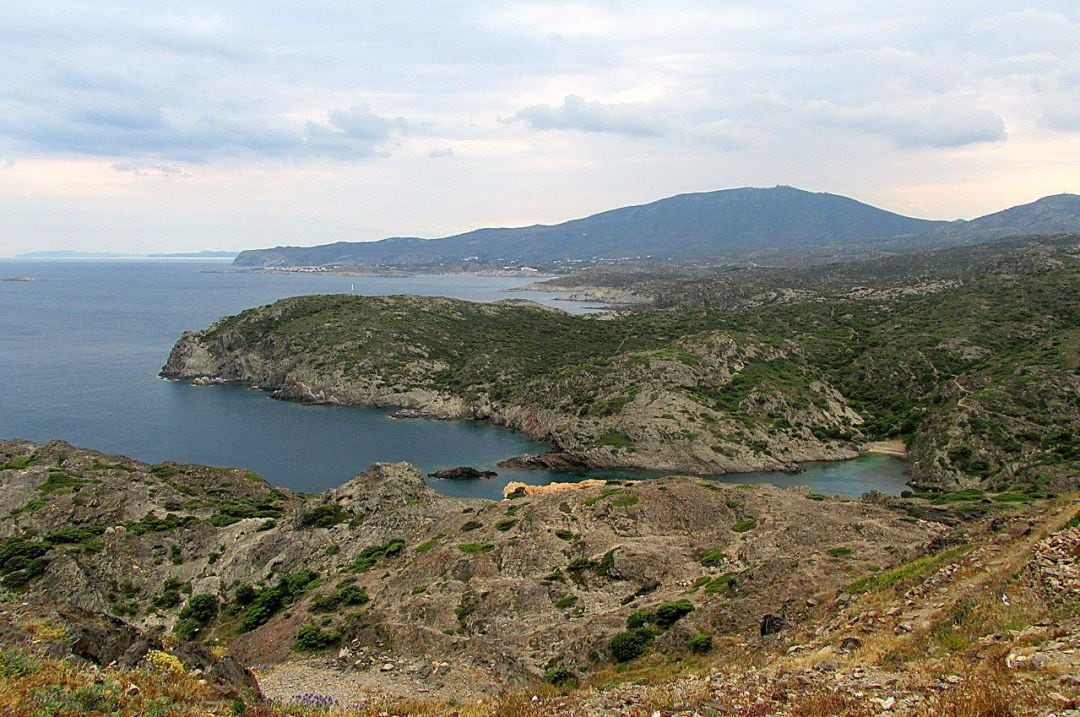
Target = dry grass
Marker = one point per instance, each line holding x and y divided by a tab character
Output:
58	688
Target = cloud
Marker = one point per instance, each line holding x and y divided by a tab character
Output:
440	152
360	123
106	131
576	113
150	169
916	124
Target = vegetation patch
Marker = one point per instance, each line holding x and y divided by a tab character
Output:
713	558
229	513
347	594
744	526
561	677
59	483
908	571
720	584
151	523
326	515
605	493
700	643
616	440
840	552
261	605
631	644
370	556
429	544
200	611
471	548
19	463
663	615
312	638
31	506
21	561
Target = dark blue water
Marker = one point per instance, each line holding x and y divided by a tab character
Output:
81	345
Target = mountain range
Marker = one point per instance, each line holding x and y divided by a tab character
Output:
779	225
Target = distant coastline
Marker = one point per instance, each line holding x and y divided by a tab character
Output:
71	254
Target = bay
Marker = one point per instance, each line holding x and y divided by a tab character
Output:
81	345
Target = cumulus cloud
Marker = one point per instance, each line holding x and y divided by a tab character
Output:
441	152
577	113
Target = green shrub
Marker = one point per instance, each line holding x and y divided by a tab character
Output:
347	595
744	525
560	677
429	544
700	643
723	583
471	548
713	558
568	536
244	594
505	524
312	638
150	523
565	602
187	629
21	561
201	608
669	613
839	552
269	601
369	556
631	644
326	515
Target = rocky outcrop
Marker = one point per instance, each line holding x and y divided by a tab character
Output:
462	473
417	576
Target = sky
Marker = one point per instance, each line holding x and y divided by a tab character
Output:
182	126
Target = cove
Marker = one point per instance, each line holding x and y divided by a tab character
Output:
81	345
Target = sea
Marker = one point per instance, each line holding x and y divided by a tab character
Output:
82	341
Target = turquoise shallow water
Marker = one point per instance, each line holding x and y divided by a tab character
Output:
81	345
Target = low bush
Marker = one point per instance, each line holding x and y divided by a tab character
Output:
631	644
700	643
312	638
369	556
560	677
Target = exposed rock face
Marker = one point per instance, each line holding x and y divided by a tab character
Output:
107	641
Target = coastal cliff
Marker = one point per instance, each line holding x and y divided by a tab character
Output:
604	393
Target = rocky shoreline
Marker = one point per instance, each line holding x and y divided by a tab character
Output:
660	427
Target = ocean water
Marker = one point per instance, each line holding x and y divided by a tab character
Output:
81	345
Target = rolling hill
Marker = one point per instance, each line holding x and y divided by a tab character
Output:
780	225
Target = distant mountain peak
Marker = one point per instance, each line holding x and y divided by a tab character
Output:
779	224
